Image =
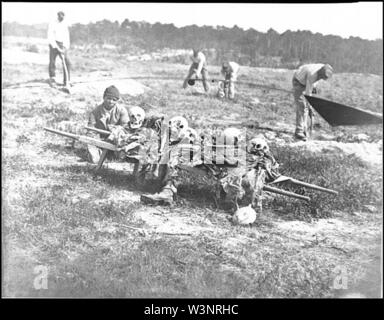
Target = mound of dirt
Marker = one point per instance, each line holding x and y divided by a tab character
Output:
368	152
18	56
96	87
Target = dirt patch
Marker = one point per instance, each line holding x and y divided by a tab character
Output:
126	87
161	221
368	152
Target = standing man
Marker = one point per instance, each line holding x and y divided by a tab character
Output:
229	70
198	66
58	38
304	81
105	116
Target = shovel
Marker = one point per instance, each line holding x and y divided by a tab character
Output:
191	82
66	73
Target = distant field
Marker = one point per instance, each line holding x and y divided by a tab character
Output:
98	240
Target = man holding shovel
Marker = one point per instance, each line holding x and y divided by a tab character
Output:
304	81
58	38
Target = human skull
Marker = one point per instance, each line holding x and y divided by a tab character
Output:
190	135
177	128
136	117
244	216
257	145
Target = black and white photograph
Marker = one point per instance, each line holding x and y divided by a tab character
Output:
192	151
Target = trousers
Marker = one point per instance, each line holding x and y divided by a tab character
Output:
204	76
53	53
229	85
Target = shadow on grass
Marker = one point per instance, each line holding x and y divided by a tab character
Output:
196	93
255	125
196	197
117	179
191	195
68	149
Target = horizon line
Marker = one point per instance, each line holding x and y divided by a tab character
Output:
200	26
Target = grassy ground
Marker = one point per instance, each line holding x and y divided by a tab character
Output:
98	240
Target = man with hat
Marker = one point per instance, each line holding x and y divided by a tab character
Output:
304	82
229	70
198	66
58	38
105	117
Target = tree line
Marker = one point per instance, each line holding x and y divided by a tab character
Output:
248	47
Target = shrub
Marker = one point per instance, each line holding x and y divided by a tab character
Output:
32	48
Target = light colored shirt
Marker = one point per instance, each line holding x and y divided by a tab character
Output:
307	76
232	70
200	60
58	31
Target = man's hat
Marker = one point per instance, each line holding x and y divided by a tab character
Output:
225	63
328	70
113	92
61	13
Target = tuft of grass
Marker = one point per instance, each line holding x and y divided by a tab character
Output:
60	112
357	183
32	48
164	268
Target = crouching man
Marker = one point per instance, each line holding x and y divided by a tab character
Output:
105	117
197	68
230	71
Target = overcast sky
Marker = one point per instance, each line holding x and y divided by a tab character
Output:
362	19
